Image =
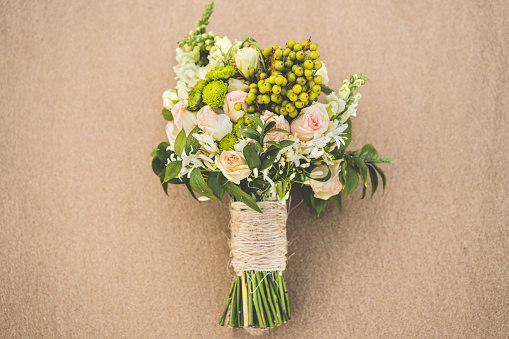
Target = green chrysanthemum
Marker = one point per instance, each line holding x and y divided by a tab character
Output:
194	100
213	94
228	141
221	72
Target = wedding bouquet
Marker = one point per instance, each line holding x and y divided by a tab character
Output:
249	121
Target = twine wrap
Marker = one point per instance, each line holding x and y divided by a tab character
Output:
258	240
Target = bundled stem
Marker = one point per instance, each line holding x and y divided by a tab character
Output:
257	299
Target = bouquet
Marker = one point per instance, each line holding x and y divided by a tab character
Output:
252	122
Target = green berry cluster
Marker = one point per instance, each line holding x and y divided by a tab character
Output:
290	83
198	41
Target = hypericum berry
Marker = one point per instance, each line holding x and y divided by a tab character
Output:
300	55
316	88
237	106
299	104
279	65
301	81
297	88
260	83
266	99
278	53
313	46
290	108
313	96
291	77
276	89
304	88
293	97
308	64
317	64
308	72
266	52
297	47
278	109
251	96
303	96
275	47
250	71
283	111
263	76
287	52
253	86
279	80
250	109
288	63
292	55
299	71
274	98
291	43
293	114
318	79
314	55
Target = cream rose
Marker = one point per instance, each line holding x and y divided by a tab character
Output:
280	123
229	102
169	99
233	165
213	124
311	123
246	58
329	188
182	118
171	131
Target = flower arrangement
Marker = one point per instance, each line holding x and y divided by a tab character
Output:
251	122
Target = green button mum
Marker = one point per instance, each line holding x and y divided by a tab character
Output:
214	93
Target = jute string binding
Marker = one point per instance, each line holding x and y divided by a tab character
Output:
258	240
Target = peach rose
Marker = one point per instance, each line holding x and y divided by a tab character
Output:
329	188
171	131
311	123
182	117
229	102
213	124
280	123
233	165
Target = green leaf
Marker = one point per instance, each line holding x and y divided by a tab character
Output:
257	146
308	196
180	142
192	145
157	166
351	179
326	89
363	192
216	182
279	190
320	205
167	114
253	161
382	174
269	157
172	170
374	180
256	119
154	152
249	132
161	152
363	169
199	185
337	200
236	192
280	130
369	151
191	191
324	178
286	143
268	127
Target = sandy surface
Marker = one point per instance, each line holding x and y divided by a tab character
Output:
91	247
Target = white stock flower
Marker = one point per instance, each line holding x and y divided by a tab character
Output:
335	105
170	97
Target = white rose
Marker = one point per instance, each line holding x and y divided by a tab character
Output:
213	124
229	105
233	165
246	58
335	105
183	118
323	72
223	45
237	85
329	188
169	98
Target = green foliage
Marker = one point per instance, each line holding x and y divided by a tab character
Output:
216	182
172	170
220	73
199	185
194	100
238	194
180	142
228	141
166	113
251	155
192	145
214	93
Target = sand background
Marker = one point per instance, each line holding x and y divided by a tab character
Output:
90	246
